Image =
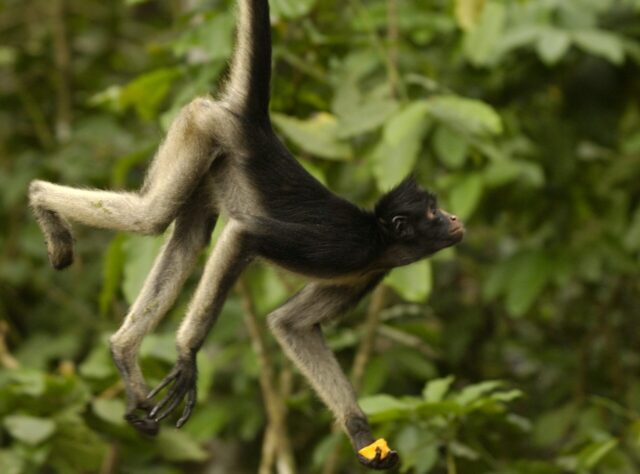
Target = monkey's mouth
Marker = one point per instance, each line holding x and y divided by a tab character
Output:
457	231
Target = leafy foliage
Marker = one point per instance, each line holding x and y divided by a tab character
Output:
523	116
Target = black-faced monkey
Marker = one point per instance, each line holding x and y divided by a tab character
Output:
221	155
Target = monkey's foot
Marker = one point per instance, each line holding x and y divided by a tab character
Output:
56	230
138	417
377	455
183	379
60	250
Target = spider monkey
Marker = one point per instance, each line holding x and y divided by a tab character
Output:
222	156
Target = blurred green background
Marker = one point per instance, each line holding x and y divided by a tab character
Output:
524	116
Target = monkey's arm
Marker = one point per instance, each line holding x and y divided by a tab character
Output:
226	262
296	325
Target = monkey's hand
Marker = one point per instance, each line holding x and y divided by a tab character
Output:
183	379
377	455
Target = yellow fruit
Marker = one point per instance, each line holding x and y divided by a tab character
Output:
369	452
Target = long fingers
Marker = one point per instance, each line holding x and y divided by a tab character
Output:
188	408
165	381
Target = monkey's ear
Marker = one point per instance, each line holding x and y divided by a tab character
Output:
401	227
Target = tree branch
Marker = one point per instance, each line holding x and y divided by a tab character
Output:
276	435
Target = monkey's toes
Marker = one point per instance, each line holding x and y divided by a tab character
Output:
182	385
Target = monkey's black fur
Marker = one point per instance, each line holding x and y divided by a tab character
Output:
223	156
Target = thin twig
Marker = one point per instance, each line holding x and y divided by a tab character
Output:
112	391
371	324
409	340
451	462
390	60
110	462
274	402
269	449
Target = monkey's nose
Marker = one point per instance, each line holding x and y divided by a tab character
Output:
453	217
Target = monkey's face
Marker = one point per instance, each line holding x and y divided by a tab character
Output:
416	226
419	235
439	229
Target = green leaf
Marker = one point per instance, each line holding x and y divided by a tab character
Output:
531	272
396	155
11	462
384	408
464	451
160	346
466	194
426	459
601	43
451	147
468	13
98	365
325	449
518	37
442	408
7	56
590	456
507	396
29	429
552	45
367	117
146	92
174	445
113	265
473	392
436	389
412	282
267	289
28	382
501	172
213	36
291	9
75	448
467	116
481	43
111	411
317	135
140	252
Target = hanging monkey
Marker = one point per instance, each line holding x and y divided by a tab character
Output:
222	156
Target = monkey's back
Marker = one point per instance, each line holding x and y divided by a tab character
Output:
292	218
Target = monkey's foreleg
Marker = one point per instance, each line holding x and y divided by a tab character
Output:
228	259
296	326
159	292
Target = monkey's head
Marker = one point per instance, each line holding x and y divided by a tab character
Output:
414	225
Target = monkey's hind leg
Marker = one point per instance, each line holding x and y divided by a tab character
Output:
296	326
172	267
199	133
